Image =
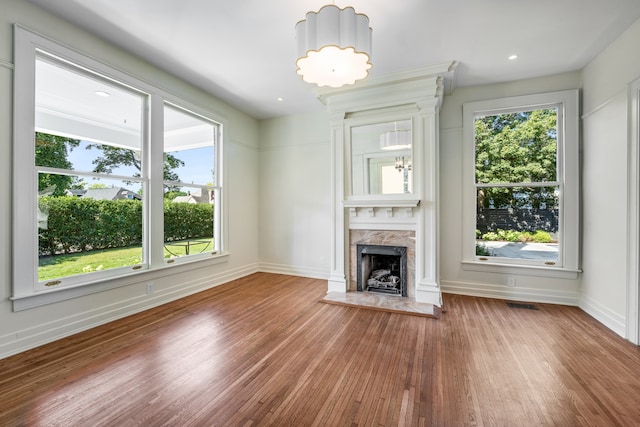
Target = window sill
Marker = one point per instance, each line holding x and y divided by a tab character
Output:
520	269
62	294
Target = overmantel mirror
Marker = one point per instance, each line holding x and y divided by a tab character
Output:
381	158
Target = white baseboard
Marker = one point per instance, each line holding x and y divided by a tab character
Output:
29	338
508	293
293	270
602	314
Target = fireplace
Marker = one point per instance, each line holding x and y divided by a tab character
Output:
363	210
382	269
383	238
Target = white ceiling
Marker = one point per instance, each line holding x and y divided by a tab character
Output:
243	51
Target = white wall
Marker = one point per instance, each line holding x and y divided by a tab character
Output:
605	179
25	329
295	200
453	278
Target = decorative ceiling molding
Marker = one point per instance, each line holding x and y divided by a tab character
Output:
419	86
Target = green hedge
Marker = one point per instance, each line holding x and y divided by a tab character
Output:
77	224
539	236
187	221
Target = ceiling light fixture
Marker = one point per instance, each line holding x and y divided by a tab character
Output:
513	57
102	93
334	46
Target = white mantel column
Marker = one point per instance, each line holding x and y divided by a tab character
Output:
427	236
337	279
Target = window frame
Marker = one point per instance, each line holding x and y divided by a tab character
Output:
26	292
567	265
143	180
216	185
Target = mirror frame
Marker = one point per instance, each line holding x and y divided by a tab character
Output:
382	117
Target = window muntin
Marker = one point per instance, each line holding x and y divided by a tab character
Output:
190	190
534	188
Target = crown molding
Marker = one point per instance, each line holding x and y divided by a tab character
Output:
408	86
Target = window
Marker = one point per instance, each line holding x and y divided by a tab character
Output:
520	207
189	142
112	176
85	166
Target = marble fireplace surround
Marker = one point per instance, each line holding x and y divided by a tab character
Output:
405	238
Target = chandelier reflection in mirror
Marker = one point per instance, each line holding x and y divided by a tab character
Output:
402	164
398	139
334	46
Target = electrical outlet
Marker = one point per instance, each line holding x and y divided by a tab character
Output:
511	281
150	288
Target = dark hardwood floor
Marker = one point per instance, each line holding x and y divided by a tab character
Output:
264	350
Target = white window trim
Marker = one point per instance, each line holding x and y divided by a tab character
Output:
218	248
25	293
633	249
567	265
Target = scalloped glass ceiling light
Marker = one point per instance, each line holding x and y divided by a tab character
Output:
334	46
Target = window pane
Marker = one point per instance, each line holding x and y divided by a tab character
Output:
90	228
90	126
517	222
188	222
516	147
85	122
189	150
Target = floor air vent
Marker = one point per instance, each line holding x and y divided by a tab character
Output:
522	305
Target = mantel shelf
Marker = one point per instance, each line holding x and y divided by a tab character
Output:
381	203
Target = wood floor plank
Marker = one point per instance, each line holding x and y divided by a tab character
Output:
263	350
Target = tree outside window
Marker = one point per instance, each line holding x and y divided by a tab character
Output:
516	184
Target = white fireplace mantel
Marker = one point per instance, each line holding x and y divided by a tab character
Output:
381	203
414	95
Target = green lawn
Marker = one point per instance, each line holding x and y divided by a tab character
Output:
54	267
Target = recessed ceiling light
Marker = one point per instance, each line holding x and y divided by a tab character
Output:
513	57
102	93
280	99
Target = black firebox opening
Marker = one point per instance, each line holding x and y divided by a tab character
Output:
382	269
